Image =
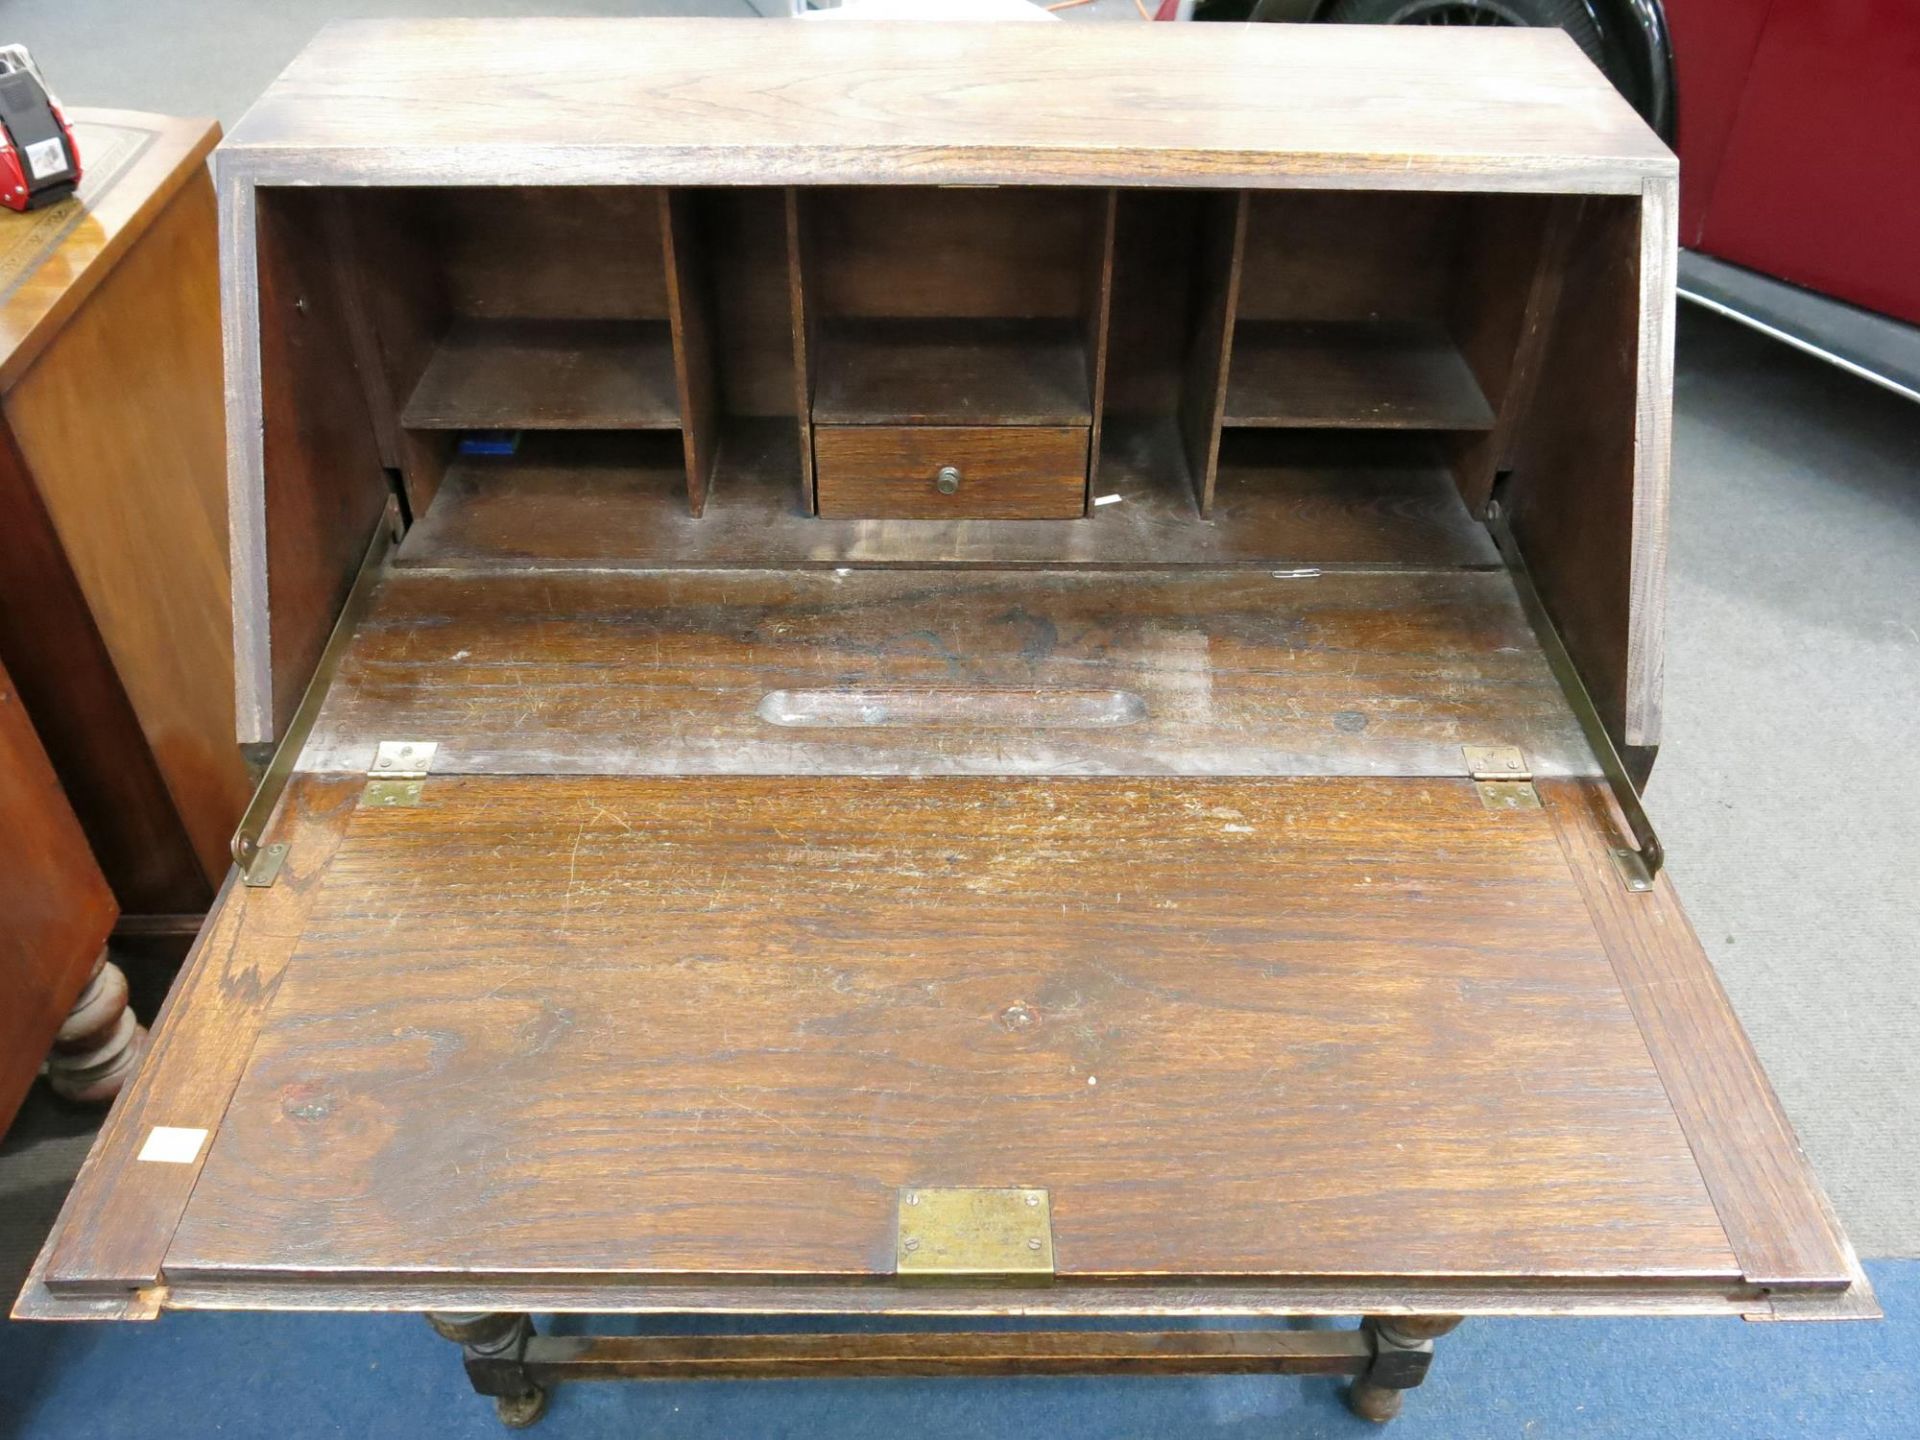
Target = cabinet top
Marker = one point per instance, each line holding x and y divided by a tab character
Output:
52	259
759	102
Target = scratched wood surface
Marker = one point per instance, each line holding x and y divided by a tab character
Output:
903	672
640	1026
731	102
121	1212
1775	1215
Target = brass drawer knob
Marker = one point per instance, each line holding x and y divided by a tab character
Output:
948	480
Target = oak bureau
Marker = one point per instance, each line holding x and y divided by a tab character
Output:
940	672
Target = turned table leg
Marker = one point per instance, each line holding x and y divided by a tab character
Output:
493	1347
1402	1354
100	1042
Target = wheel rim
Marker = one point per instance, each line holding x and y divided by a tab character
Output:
1456	12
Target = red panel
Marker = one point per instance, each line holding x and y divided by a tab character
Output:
1713	47
1820	182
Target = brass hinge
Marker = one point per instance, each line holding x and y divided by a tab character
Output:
264	868
398	773
974	1236
1502	776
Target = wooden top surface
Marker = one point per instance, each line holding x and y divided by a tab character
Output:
51	259
543	1028
627	101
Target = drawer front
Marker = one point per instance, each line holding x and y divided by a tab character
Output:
951	472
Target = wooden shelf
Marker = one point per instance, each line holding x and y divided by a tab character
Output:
617	501
952	372
1366	376
548	375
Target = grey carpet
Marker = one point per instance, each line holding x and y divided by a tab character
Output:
1788	791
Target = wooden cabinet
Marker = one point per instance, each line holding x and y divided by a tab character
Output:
57	905
1046	697
114	601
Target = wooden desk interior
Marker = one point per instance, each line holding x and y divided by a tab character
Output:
803	828
740	896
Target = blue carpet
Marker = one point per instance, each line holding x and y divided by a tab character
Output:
293	1377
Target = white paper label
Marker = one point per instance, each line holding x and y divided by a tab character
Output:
173	1145
46	158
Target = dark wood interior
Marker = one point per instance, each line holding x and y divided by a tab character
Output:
906	323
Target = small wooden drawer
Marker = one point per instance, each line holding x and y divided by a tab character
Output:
951	472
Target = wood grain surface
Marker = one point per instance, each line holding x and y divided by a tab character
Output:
1097	318
804	325
1284	500
316	437
1153	1299
1203	380
988	253
56	902
62	671
1589	491
1220	673
548	375
1359	375
693	361
722	102
944	1353
528	252
121	1213
929	181
977	372
51	259
1005	472
771	862
119	419
398	308
1765	1191
552	1027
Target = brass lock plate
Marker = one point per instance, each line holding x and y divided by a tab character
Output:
983	1236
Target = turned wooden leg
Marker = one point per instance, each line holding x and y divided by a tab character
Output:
498	1341
1402	1355
100	1043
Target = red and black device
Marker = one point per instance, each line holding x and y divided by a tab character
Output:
39	162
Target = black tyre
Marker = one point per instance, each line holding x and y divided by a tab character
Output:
1571	16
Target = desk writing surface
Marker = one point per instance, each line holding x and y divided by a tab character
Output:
705	1027
591	1030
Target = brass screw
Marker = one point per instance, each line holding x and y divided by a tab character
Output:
1033	1244
913	1244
